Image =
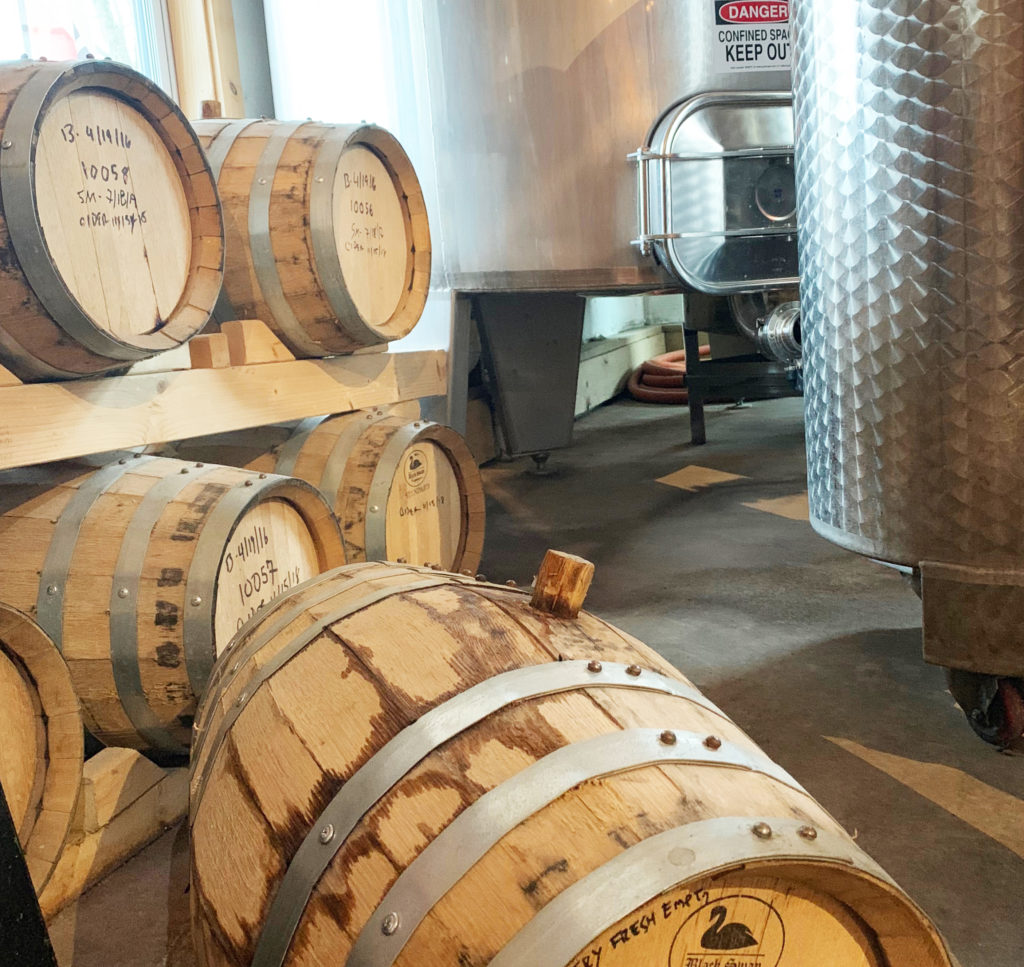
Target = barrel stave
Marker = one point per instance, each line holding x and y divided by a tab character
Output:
44	794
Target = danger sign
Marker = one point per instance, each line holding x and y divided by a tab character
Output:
751	36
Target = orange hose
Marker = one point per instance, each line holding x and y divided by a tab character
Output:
663	378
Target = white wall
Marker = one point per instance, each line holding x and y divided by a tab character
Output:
333	62
328	61
607	316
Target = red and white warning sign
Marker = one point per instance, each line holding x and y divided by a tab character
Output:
752	36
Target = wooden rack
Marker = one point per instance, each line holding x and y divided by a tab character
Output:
239	378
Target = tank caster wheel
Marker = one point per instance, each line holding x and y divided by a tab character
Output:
994	706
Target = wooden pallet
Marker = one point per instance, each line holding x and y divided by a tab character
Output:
241	377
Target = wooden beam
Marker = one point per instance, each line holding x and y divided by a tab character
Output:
210	352
126	803
205	56
251	341
55	421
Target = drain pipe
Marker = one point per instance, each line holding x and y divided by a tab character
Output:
776	334
779	335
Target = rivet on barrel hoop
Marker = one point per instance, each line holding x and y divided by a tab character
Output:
248	483
389	925
668	737
375	509
52	590
122	592
196	601
327	834
634	670
761	830
807	832
593	666
6	144
713	742
183	470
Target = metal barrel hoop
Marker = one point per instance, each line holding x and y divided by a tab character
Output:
290	651
337	460
216	154
261	246
292	447
322	232
480	826
596	902
382	772
53	576
375	521
201	587
124	602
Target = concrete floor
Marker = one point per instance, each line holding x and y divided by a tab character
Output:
800	642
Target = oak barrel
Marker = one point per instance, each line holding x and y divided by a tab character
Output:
404	489
41	746
327	234
397	765
111	239
141	571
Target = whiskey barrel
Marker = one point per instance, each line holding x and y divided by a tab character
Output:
41	745
396	765
404	489
327	235
110	229
141	571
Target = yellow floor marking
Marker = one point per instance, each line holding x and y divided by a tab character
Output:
696	478
792	508
990	811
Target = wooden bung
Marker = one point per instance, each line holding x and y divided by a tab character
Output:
397	765
403	488
41	744
109	222
562	584
328	241
142	570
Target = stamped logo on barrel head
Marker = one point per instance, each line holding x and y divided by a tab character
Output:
415	467
730	931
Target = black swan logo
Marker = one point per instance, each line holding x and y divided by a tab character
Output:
732	936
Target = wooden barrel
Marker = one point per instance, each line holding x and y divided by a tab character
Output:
402	766
327	235
141	571
110	228
40	741
404	489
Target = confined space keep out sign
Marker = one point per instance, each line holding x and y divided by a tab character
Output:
751	36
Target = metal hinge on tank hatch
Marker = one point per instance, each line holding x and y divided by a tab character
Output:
716	192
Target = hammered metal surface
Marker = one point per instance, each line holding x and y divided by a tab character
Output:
910	171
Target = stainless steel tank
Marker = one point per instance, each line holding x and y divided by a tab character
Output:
524	112
910	137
